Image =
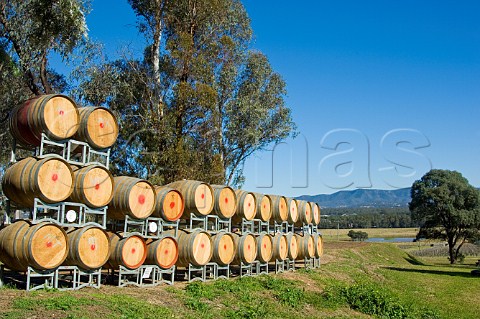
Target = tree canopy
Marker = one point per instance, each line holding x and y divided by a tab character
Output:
199	102
196	105
448	208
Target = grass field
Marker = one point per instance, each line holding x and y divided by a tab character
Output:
341	234
358	280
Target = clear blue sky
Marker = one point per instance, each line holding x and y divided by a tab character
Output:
355	71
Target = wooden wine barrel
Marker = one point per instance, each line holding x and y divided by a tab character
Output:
264	207
224	248
246	206
246	249
225	201
292	211
264	247
53	114
279	209
162	252
133	197
304	213
280	247
50	179
42	246
88	247
169	204
194	247
92	186
318	241
306	246
198	197
315	213
292	246
97	126
129	252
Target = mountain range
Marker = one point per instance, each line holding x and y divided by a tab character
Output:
362	198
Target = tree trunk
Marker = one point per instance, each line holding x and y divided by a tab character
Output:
451	251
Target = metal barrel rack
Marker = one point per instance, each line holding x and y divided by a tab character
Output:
144	276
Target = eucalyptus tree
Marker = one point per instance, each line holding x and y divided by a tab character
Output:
30	32
199	101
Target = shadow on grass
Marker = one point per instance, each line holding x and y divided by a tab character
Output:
433	272
413	261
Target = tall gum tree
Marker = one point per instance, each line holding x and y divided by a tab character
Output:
200	101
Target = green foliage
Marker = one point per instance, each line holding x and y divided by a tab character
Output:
361	217
199	102
373	299
358	235
32	30
448	207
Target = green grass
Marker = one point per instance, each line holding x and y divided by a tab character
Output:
361	281
68	305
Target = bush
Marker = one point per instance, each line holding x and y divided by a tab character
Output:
357	235
374	300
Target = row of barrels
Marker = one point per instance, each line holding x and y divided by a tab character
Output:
53	180
46	246
59	117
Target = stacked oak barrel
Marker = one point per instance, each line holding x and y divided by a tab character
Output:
242	246
53	180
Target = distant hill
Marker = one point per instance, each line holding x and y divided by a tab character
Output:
362	198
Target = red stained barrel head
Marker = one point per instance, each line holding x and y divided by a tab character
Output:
141	199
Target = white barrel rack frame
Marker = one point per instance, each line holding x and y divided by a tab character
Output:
198	273
144	276
279	266
283	227
247	226
155	227
260	226
243	270
210	271
151	227
309	263
289	264
130	226
65	149
58	214
74	278
211	223
259	268
310	229
62	278
47	279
